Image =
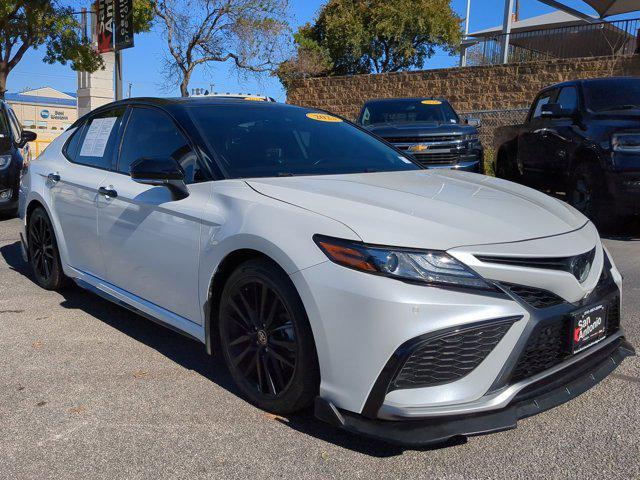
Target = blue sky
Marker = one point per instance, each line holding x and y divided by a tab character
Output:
143	63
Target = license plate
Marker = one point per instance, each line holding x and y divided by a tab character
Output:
589	327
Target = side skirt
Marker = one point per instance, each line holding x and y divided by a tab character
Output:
140	306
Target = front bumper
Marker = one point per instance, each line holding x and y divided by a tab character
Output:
538	397
623	189
366	327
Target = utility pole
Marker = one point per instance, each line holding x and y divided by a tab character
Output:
506	29
129	93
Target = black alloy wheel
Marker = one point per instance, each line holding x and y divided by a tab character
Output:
43	252
266	339
587	193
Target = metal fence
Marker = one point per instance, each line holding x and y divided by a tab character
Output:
589	40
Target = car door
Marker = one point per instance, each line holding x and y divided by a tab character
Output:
532	147
150	241
561	136
74	188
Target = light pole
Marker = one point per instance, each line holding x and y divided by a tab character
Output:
506	29
463	53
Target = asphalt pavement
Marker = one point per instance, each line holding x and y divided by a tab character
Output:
90	390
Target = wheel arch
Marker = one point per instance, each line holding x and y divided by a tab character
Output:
217	282
581	155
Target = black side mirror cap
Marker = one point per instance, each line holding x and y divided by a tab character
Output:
160	172
26	137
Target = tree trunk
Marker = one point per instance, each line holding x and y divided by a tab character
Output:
184	85
3	81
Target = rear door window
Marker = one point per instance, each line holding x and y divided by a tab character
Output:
568	98
97	141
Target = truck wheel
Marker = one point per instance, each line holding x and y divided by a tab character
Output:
587	193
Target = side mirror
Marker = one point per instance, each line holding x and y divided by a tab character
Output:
555	110
160	172
27	136
473	122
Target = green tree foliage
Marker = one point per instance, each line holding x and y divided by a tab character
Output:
365	36
26	24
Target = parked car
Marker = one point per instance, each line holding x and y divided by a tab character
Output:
325	267
582	138
12	143
427	128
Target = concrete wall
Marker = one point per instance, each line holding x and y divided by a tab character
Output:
468	89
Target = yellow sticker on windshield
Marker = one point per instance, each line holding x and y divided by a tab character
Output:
323	117
431	102
255	99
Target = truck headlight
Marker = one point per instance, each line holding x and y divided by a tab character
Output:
430	267
5	161
626	142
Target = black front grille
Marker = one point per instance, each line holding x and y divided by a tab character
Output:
426	159
429	139
550	344
547	347
450	356
536	297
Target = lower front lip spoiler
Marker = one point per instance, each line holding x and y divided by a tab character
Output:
536	398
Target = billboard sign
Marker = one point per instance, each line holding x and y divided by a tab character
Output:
123	24
105	25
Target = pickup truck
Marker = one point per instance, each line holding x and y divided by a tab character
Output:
581	138
427	128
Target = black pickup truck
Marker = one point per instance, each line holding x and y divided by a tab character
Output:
581	138
427	128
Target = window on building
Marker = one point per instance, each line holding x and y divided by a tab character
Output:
42	125
29	124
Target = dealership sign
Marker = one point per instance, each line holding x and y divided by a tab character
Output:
44	113
114	25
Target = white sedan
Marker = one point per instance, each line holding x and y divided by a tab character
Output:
325	267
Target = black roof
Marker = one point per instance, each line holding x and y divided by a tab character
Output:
588	80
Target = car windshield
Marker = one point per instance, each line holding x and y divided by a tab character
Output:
612	94
271	141
409	110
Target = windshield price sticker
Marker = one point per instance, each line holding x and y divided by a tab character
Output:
323	117
431	102
254	99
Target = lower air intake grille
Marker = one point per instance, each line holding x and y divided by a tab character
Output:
536	297
613	317
450	356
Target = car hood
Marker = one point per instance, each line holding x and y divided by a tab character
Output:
418	129
427	209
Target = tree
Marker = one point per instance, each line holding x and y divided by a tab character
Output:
364	36
249	33
26	24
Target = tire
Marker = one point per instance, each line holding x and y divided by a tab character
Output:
506	168
44	256
587	193
266	339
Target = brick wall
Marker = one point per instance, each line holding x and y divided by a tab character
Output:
494	87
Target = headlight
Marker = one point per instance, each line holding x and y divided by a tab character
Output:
626	142
5	160
431	267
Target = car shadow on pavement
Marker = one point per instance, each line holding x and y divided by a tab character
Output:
192	355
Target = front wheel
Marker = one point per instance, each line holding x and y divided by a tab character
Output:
44	256
587	194
266	339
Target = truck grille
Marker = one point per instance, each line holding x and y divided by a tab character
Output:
450	356
426	159
550	345
437	138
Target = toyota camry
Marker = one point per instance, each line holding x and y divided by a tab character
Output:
325	267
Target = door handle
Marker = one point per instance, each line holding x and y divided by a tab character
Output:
108	192
53	178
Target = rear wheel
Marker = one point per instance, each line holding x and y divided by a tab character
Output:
266	338
44	256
